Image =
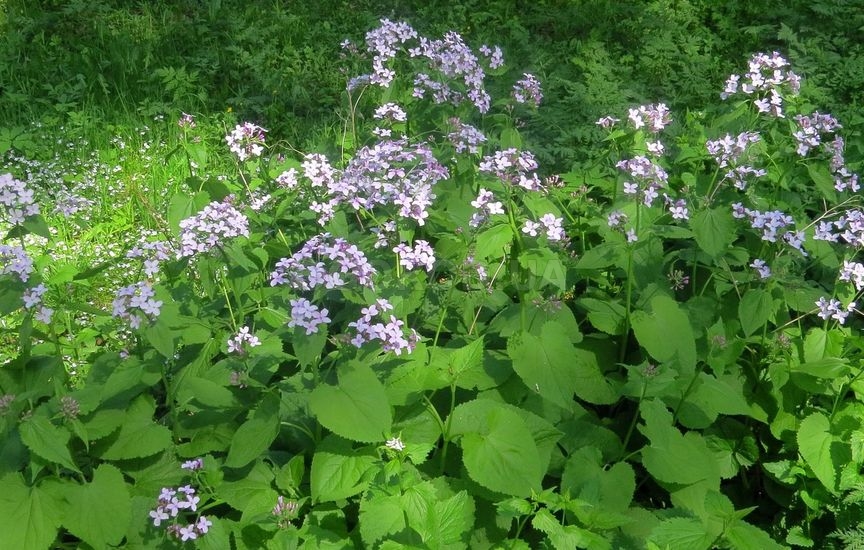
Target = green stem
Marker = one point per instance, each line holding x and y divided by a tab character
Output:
447	428
635	417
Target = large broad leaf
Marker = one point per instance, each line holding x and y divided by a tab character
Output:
439	517
90	506
754	310
47	441
254	487
29	517
498	449
665	333
814	444
255	435
139	435
566	538
380	515
356	409
551	366
672	457
339	471
743	536
714	229
682	534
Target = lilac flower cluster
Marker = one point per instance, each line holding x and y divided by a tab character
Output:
391	112
652	117
17	198
306	315
549	223
193	465
69	204
617	220
389	173
210	227
453	59
648	178
833	309
135	304
242	341
851	223
285	511
677	207
288	179
728	151
514	167
383	43
816	130
169	505
421	255
390	333
32	298
14	259
770	224
153	253
764	79
853	272
527	90
186	121
761	268
246	140
607	122
465	137
485	206
305	270
384	234
494	55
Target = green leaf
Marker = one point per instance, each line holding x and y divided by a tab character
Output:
47	441
551	366
546	268
251	489
254	436
814	443
356	409
139	435
493	242
743	536
99	512
754	310
307	347
672	457
338	470
467	358
380	516
666	333
29	517
498	449
682	534
824	180
565	538
606	315
714	230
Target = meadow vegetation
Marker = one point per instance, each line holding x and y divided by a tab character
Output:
486	274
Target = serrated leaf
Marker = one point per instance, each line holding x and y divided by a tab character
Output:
338	471
48	441
682	534
814	443
139	435
498	449
380	516
254	436
714	230
29	517
356	409
672	457
565	538
754	310
743	536
666	332
466	358
90	506
551	366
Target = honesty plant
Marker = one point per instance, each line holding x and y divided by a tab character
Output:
425	342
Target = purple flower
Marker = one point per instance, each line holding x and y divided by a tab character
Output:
306	269
236	342
833	309
13	259
654	117
187	121
454	60
513	167
527	90
210	227
607	121
193	465
390	333
391	112
17	199
306	315
246	140
33	296
135	304
762	268
465	137
421	255
485	207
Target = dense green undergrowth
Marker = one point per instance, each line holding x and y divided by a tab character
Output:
373	319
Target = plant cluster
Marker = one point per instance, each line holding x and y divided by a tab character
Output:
423	341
